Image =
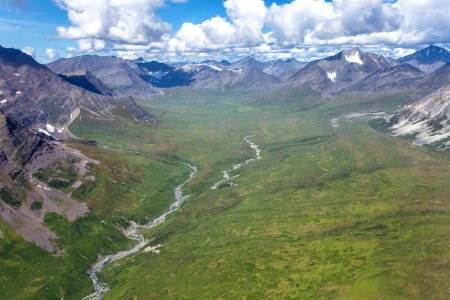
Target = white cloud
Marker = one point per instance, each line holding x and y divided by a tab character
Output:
246	26
250	27
319	22
425	21
51	54
112	21
30	51
248	19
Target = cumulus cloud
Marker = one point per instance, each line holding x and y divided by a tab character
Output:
252	27
112	21
298	23
319	22
247	20
51	54
30	51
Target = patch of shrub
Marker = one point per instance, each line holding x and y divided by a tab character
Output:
36	205
58	183
8	198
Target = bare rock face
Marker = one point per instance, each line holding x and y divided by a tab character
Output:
428	119
19	144
125	78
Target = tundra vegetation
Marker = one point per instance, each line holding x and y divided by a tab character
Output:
328	212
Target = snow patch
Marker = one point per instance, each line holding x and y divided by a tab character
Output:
3	101
354	58
17	74
213	67
332	76
50	128
44	131
18	93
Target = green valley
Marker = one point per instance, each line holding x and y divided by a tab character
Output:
327	213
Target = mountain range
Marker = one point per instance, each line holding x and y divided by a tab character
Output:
38	103
347	73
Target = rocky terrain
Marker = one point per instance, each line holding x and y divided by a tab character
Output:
36	97
36	108
429	59
143	79
428	119
88	81
124	77
322	78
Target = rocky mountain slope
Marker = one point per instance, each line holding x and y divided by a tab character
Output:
36	97
24	199
323	77
143	79
389	81
283	69
124	77
232	78
427	119
403	79
429	59
36	107
88	81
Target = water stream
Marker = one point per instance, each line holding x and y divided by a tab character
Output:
227	177
134	232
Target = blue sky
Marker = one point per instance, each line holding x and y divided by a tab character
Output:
264	28
34	24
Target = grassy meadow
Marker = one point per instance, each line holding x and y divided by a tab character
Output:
327	213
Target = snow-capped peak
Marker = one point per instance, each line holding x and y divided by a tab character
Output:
354	58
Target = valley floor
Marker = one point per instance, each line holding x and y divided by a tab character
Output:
328	212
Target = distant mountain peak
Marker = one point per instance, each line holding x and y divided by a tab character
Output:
353	56
427	56
16	57
249	58
352	50
249	62
290	60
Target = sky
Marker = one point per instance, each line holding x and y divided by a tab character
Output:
180	30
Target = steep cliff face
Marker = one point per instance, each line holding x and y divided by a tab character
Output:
19	144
